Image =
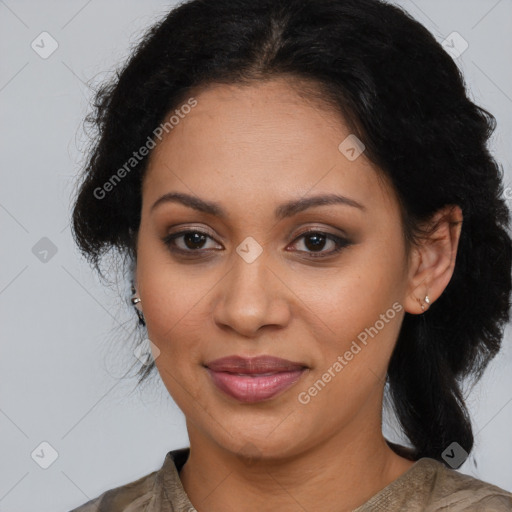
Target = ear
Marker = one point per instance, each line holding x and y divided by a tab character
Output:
432	261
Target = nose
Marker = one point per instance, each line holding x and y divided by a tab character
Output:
251	296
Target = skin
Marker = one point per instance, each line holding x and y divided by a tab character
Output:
251	148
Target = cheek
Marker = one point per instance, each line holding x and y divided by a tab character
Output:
174	317
358	311
369	279
171	298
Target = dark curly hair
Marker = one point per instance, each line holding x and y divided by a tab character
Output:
402	95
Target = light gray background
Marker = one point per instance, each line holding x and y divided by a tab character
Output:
63	336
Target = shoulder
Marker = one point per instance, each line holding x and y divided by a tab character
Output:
131	497
430	486
150	493
454	491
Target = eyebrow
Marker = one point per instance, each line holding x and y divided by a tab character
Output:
284	210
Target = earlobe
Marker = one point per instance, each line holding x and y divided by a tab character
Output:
417	304
426	300
433	260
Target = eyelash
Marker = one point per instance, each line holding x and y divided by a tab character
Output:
339	241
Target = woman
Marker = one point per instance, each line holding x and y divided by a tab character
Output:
304	191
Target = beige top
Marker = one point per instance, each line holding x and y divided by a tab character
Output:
427	486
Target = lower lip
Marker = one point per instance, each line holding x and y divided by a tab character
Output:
256	388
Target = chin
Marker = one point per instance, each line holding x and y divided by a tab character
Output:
251	445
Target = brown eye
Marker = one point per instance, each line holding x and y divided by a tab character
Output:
189	241
316	241
194	240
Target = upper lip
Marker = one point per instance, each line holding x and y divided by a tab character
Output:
251	365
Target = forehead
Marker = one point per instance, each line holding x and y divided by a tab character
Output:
256	140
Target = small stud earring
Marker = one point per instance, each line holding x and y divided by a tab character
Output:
427	301
137	304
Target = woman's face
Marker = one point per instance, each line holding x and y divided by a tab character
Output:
246	282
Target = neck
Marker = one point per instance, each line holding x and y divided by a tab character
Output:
338	475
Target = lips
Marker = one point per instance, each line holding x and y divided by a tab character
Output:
254	379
